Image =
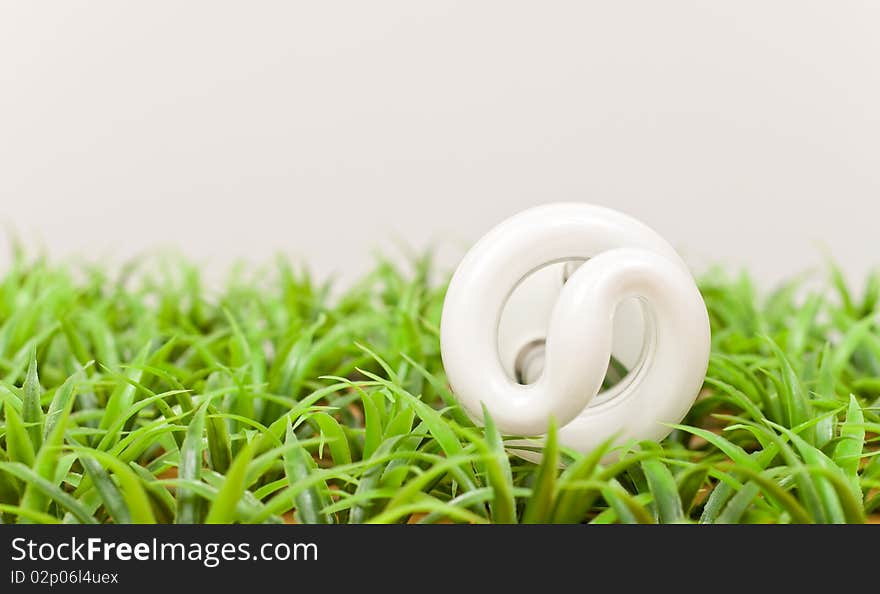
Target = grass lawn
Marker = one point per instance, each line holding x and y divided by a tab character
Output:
140	396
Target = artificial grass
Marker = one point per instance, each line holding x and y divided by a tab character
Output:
140	396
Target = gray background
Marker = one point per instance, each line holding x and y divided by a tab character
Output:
746	132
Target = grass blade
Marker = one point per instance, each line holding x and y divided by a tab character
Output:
223	508
310	502
31	409
334	436
665	492
190	469
113	500
848	452
497	464
540	505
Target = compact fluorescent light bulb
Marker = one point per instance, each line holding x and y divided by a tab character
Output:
538	306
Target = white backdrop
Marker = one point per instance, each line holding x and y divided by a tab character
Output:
746	132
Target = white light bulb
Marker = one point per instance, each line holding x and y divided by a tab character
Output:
559	329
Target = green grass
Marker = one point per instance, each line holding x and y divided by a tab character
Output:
144	397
